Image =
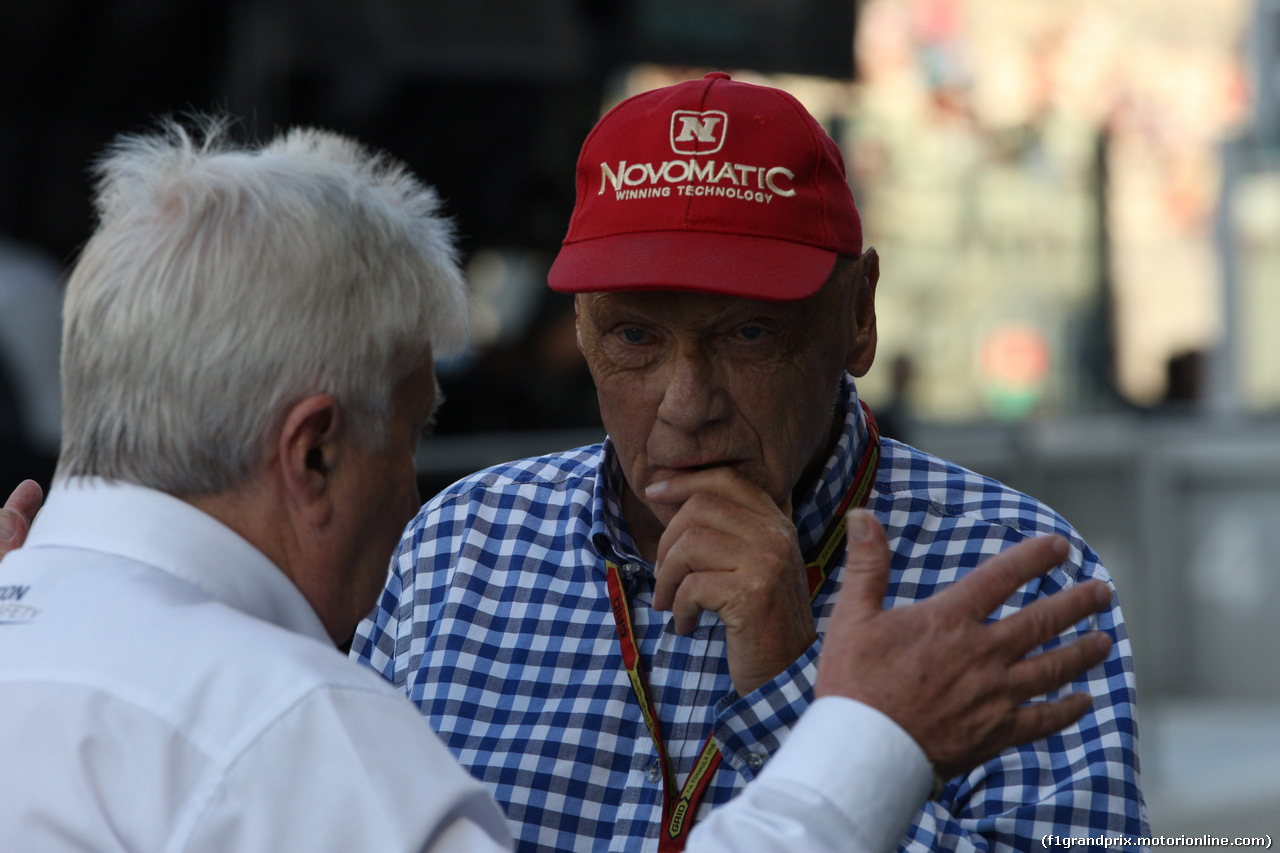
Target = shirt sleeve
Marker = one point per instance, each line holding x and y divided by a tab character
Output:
347	769
849	779
376	639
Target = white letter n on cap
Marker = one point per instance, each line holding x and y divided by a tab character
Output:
690	130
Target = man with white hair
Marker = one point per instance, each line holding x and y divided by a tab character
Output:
248	366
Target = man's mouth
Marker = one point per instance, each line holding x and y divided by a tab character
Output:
700	466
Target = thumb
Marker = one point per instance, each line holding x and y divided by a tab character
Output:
16	516
26	500
866	568
13	531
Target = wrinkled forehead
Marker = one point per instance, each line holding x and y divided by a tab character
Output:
682	306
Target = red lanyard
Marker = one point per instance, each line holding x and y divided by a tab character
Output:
678	807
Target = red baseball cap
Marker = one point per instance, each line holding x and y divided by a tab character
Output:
712	186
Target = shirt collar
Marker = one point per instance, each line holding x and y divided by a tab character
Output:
812	514
609	530
162	531
813	511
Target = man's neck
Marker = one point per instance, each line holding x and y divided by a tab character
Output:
645	528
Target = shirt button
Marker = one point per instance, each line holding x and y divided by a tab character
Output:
654	773
755	760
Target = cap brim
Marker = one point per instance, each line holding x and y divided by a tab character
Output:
726	264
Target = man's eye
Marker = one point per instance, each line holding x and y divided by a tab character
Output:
751	333
634	335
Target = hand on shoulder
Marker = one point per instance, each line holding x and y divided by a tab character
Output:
958	685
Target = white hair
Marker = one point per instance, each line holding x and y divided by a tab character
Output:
224	284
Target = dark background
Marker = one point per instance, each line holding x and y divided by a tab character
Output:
488	101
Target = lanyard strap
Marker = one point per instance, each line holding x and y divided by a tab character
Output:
678	807
819	568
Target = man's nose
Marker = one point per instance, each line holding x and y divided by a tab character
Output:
693	396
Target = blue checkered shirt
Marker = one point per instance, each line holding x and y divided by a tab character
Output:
495	621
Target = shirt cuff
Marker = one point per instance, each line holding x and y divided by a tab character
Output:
754	727
862	762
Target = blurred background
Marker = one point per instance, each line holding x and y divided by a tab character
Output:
1076	203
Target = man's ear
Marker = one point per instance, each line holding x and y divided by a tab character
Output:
307	449
862	353
577	320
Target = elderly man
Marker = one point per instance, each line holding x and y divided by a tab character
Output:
248	366
725	302
247	369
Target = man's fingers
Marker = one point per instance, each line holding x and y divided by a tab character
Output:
866	569
722	480
1029	723
697	593
13	530
708	510
26	499
1040	622
1041	719
988	586
1047	672
18	513
696	549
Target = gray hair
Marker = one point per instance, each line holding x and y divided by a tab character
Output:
224	284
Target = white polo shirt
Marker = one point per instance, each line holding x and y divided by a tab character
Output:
164	687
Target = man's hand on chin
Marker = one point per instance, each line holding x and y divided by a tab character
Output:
731	550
